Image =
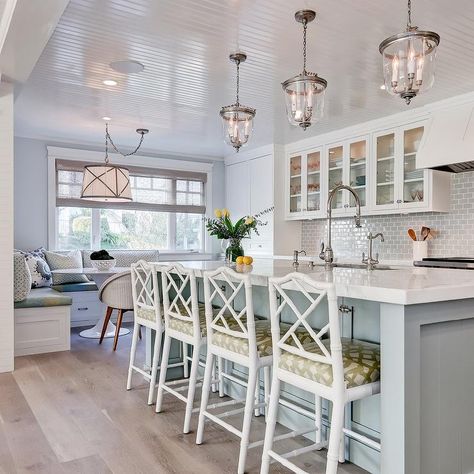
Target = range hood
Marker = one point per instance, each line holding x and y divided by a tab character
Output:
448	141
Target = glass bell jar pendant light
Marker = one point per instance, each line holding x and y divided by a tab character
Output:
107	182
237	120
304	93
409	61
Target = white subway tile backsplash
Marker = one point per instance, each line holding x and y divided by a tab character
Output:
454	230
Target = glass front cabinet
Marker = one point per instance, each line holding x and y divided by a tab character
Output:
304	184
347	164
398	184
380	167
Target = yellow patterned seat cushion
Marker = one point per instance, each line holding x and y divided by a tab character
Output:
186	327
148	314
361	362
263	335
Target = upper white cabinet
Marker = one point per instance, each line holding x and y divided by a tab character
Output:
249	190
347	164
398	186
380	167
304	184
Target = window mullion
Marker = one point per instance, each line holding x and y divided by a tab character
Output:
95	229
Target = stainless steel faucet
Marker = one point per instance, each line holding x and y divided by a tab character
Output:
296	253
327	254
371	262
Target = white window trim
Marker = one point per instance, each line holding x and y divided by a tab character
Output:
74	154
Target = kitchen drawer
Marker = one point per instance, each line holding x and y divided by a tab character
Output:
86	308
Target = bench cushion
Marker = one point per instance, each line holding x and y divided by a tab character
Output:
44	297
69	287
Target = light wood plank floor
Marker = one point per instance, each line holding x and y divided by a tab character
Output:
69	412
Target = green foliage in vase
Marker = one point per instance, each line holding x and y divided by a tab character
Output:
223	228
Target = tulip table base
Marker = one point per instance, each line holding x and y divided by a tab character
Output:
95	332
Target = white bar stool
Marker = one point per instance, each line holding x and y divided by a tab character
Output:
147	310
237	337
339	370
184	321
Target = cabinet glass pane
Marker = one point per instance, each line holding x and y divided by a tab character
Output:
295	184
413	184
385	169
313	173
358	170
336	158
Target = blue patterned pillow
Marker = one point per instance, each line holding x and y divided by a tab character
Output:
39	268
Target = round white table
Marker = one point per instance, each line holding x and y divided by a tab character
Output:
99	276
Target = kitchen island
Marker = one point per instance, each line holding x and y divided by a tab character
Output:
424	321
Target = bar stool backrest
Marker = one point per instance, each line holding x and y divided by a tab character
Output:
314	294
180	296
226	320
146	295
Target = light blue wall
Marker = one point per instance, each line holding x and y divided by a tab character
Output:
31	192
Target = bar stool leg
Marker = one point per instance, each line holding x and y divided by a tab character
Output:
185	361
257	411
342	445
271	422
205	395
220	368
337	420
163	370
133	350
266	388
191	389
154	366
249	405
318	412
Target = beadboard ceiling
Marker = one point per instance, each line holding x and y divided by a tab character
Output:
184	45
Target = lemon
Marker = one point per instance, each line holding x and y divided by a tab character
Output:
247	260
239	260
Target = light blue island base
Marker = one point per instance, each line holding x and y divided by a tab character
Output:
424	415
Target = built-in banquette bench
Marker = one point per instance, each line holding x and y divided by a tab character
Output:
44	316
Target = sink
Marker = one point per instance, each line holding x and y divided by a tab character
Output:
360	266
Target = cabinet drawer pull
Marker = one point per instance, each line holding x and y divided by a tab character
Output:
84	308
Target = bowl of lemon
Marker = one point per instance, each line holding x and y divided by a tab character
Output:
243	264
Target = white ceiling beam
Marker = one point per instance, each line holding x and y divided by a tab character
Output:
25	28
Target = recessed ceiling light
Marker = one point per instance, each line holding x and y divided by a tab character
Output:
127	66
382	87
107	119
109	82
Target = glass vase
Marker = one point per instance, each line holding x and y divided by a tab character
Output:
233	250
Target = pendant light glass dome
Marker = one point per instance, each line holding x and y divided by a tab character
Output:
409	61
237	120
304	93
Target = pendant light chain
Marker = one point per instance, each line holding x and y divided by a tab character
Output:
305	26
106	143
108	139
238	82
409	16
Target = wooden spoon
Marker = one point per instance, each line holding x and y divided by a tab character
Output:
412	234
425	232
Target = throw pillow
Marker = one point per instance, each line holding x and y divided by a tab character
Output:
21	277
39	269
59	261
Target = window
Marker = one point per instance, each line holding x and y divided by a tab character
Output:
166	213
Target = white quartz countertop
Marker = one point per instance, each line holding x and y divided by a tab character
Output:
397	285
